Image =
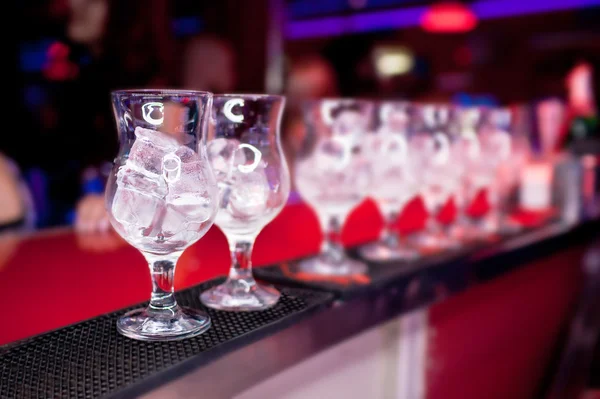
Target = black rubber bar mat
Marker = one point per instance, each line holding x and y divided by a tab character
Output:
346	287
91	359
456	268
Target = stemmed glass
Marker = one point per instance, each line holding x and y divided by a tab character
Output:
466	151
161	197
392	180
245	152
432	134
499	163
331	176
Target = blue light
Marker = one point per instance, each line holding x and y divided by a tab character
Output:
34	96
33	55
187	26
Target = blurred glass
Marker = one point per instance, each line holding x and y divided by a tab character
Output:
501	160
433	133
331	175
392	180
466	150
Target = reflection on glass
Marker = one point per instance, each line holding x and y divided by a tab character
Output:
332	175
161	198
245	153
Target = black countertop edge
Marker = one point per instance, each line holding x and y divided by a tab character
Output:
236	371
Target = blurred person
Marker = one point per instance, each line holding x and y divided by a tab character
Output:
581	132
12	208
550	115
108	45
311	77
209	65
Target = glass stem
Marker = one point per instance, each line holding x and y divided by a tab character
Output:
461	200
494	198
332	249
389	236
162	271
433	224
241	263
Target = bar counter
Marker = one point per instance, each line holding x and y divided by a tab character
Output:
481	322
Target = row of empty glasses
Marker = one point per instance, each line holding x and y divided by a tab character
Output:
394	151
189	159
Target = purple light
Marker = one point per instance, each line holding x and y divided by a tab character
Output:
410	17
364	22
488	9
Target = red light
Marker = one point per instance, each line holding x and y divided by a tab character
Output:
449	18
58	50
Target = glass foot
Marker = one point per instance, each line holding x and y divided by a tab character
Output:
240	295
502	225
379	251
509	226
320	266
466	233
163	325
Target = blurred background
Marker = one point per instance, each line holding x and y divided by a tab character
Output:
70	54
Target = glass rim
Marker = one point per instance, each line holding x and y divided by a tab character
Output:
356	100
255	96
162	92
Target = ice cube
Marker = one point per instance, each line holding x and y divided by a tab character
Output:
190	183
186	219
189	201
225	156
139	197
149	148
159	139
248	193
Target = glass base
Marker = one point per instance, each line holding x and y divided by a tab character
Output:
319	266
509	226
380	251
240	295
502	225
168	325
432	242
466	232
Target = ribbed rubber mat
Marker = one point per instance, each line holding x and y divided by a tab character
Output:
91	359
452	267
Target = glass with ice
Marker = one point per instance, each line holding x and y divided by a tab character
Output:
161	198
331	175
245	153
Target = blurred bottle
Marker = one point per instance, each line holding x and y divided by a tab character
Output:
582	134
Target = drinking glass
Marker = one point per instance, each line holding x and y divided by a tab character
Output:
331	176
466	151
392	181
245	152
502	158
161	197
432	134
